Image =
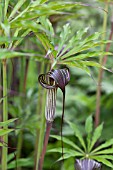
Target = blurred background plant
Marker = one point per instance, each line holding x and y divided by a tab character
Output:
85	148
36	36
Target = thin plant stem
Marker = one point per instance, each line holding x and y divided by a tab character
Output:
40	132
5	115
48	129
3	6
26	73
20	136
0	108
98	92
109	43
40	100
62	122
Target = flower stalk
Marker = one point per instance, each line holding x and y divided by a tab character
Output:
49	114
98	92
51	81
5	115
103	61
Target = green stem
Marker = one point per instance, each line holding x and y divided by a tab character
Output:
21	88
5	115
19	146
41	134
48	129
3	6
0	107
98	93
41	131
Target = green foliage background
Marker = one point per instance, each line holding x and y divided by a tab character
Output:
26	60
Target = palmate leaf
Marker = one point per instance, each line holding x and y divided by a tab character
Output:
10	156
32	12
32	25
93	37
45	41
103	160
48	27
102	146
1	144
7	54
81	33
8	40
66	150
109	157
84	65
67	156
51	52
76	42
37	2
105	151
78	48
102	153
77	64
88	129
64	36
68	153
6	27
95	64
96	135
32	15
5	131
16	8
67	141
87	55
89	125
78	134
22	162
16	43
79	43
72	41
7	122
6	7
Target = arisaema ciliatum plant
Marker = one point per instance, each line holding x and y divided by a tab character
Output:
87	151
18	20
71	50
52	80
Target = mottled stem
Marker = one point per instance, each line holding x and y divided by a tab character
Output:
48	129
98	92
62	120
5	115
103	62
49	114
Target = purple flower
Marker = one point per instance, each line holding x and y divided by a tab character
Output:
87	164
51	81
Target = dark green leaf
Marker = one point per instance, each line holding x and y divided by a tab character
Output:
5	131
7	122
96	135
104	145
67	141
104	161
78	134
